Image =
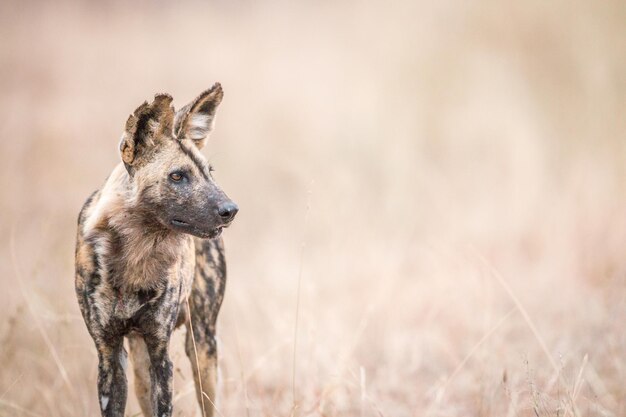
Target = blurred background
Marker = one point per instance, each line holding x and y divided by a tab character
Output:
445	181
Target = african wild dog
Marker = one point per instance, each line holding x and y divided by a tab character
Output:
138	262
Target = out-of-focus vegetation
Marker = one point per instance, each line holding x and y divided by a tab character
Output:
454	171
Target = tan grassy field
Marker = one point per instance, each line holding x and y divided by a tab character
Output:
445	180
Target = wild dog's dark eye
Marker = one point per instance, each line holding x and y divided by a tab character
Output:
176	176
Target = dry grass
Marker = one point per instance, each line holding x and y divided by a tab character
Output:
465	168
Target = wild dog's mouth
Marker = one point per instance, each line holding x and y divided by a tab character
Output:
179	223
196	231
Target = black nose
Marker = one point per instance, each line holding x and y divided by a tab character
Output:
227	210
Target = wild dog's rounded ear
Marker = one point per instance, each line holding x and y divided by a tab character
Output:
195	121
147	126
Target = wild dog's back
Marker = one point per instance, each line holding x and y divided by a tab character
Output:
85	259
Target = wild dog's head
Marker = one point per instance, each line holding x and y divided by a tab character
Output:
171	179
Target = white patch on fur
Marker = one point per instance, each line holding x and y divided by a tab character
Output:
104	401
95	213
199	126
123	360
109	195
101	248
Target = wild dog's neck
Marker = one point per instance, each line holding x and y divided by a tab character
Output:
144	250
147	254
126	213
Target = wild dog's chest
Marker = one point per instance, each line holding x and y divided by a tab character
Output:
145	279
127	306
134	264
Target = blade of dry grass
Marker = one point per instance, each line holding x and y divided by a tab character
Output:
531	325
599	387
359	381
195	352
579	379
244	384
461	365
6	391
19	408
31	309
295	327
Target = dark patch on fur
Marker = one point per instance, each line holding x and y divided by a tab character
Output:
145	296
199	164
81	214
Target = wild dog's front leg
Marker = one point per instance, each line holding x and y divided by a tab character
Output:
157	326
141	365
112	387
160	376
